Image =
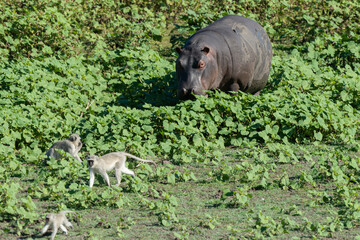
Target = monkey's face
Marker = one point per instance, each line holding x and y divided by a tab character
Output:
75	138
90	163
49	217
91	160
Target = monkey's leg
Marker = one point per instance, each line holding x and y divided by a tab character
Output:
92	178
68	224
118	176
45	228
127	171
55	229
77	157
63	228
106	177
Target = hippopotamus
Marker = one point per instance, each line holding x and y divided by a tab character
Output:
231	54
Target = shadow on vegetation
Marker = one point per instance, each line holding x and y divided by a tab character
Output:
154	91
36	236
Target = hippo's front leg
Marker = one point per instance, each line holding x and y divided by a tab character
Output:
234	87
257	93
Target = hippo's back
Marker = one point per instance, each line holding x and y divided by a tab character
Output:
248	42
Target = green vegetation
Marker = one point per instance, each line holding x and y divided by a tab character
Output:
283	165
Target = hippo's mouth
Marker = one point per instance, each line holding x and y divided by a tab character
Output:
186	94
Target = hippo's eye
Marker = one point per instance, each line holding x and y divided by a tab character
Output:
201	64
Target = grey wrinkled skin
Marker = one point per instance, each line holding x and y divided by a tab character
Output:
233	53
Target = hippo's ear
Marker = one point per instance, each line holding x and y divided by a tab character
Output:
206	50
178	50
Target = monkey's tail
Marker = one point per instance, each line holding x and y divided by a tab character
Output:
67	211
139	159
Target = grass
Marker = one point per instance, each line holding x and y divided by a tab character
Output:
204	213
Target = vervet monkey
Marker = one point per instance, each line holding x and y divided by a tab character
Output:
71	145
57	221
107	163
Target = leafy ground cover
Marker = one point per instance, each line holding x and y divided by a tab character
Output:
283	165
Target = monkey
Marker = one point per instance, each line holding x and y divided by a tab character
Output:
57	221
107	163
71	145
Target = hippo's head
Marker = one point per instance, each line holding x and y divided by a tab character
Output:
196	69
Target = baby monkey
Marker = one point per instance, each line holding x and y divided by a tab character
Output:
107	163
57	221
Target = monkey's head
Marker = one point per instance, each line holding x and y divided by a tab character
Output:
74	138
91	160
49	217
